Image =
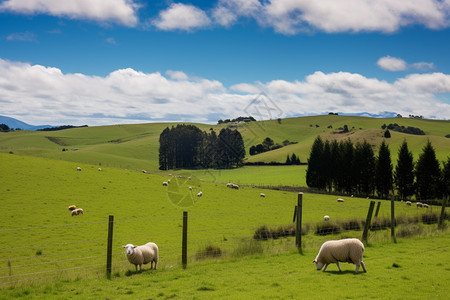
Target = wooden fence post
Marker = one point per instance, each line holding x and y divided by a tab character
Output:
298	227
378	209
295	214
441	218
184	241
368	220
109	249
393	221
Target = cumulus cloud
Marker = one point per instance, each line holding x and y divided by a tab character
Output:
181	17
393	64
45	95
22	36
118	11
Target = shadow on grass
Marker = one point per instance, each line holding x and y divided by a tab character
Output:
131	273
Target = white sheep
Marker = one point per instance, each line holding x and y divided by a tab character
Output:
345	250
340	200
144	171
262	195
408	203
72	207
138	255
99	169
168	180
78	169
425	205
419	204
326	218
235	186
165	183
190	188
76	212
200	194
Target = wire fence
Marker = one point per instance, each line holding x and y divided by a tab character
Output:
35	253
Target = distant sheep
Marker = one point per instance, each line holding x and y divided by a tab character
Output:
262	195
340	200
165	183
408	203
76	212
99	169
326	218
168	180
419	204
78	169
190	188
200	194
235	186
144	171
138	255
345	250
425	205
72	207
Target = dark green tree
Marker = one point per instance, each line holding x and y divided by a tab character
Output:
288	160
364	168
315	170
231	150
428	174
268	143
383	171
327	162
404	172
446	178
387	134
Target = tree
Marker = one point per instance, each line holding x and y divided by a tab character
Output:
267	143
231	150
315	170
383	171
364	168
404	172
4	127
428	173
387	134
288	160
326	161
446	178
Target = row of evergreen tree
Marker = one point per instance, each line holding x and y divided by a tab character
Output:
350	168
186	146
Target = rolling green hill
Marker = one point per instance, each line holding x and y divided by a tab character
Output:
135	147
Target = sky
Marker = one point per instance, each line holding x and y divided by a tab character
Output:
104	62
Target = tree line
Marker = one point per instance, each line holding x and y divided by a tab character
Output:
350	168
186	146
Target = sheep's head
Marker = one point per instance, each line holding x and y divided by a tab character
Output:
319	265
129	249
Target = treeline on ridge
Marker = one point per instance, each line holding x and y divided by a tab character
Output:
349	168
186	146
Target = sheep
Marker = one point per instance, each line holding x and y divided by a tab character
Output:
408	203
168	180
200	194
425	205
138	255
99	169
262	195
190	188
340	200
72	207
235	186
77	212
78	169
419	204
229	185
144	171
326	218
165	183
345	250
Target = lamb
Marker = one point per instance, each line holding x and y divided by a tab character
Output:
165	183
138	255
345	250
408	203
200	194
72	207
262	195
326	218
340	200
77	212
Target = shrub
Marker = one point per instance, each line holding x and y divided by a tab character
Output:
352	224
379	223
208	252
409	230
325	228
248	247
430	218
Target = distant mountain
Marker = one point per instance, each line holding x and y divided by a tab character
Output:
14	124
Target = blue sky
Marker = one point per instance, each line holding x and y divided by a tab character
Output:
101	62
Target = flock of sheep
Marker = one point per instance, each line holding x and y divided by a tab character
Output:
418	204
74	211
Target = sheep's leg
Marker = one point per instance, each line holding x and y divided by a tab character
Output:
357	268
156	262
325	267
364	267
339	267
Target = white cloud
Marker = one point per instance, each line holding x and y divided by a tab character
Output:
181	17
111	41
45	95
22	36
117	11
423	66
389	63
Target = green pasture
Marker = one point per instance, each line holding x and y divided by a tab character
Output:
41	240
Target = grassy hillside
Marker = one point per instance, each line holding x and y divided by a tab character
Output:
135	147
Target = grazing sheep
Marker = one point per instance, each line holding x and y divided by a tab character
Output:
189	178
165	183
235	186
229	185
262	195
419	204
340	200
190	188
78	169
72	207
99	169
425	205
168	180
200	194
138	255
345	250
408	203
326	218
76	212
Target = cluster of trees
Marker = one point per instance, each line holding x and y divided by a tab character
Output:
293	160
62	127
403	129
267	145
353	169
186	146
4	128
239	119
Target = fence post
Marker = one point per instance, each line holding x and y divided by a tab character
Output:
109	249
368	220
184	242
295	213
441	218
298	227
378	209
393	220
